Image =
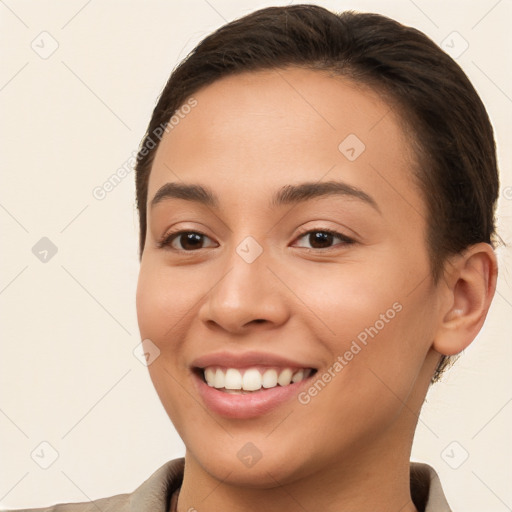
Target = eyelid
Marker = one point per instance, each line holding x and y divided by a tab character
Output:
347	240
169	237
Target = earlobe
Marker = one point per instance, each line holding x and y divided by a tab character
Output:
470	286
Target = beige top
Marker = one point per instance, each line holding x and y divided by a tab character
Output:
159	493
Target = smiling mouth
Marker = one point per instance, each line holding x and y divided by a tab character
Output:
242	381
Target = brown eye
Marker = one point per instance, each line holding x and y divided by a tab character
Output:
322	239
190	241
186	241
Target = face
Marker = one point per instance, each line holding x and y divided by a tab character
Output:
286	240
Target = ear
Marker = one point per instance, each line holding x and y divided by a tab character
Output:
470	283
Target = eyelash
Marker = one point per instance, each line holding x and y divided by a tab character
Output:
344	239
168	238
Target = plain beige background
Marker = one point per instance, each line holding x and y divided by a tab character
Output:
70	119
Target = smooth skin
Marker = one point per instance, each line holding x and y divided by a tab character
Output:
349	447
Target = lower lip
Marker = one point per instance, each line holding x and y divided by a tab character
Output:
250	405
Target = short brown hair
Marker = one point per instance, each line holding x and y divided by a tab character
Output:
450	129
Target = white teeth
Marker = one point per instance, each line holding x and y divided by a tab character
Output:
209	375
252	380
270	379
218	382
285	377
298	376
235	381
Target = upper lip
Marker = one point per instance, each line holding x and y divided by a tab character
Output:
246	359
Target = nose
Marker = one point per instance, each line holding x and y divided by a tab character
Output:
247	296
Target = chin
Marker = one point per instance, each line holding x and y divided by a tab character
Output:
266	473
261	464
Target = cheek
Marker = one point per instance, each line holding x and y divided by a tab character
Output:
164	300
347	298
372	319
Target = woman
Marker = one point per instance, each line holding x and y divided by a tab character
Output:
316	196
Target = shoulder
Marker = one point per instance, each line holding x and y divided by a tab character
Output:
426	489
153	495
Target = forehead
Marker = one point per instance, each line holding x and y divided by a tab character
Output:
254	132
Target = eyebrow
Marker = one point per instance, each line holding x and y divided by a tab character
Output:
289	194
292	194
196	193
